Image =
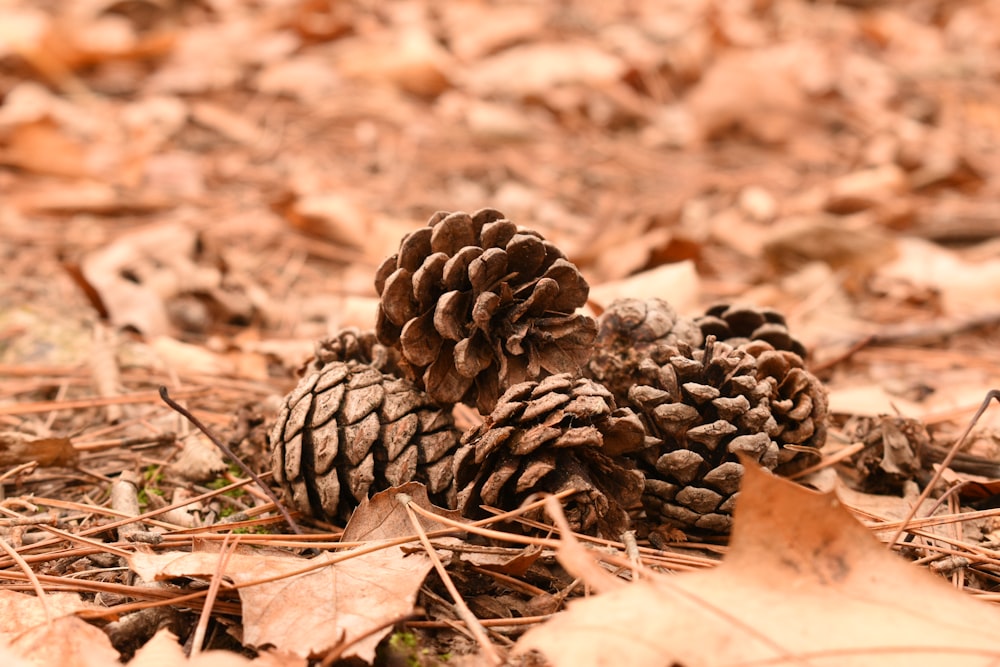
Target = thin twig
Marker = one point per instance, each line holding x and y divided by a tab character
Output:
990	395
184	412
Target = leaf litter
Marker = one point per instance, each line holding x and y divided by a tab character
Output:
213	209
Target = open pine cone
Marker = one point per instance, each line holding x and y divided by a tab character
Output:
737	325
347	431
705	405
553	435
476	304
353	344
631	330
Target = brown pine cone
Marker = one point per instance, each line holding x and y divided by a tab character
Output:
737	325
476	304
549	436
631	330
347	431
352	344
705	405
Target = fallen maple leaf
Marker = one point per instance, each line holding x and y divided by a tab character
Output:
347	597
803	583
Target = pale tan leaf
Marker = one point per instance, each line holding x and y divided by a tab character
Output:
384	517
537	68
163	650
678	282
20	612
17	448
309	613
871	400
803	582
68	642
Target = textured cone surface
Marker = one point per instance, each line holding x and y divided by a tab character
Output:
476	304
705	405
353	344
738	325
548	436
631	330
347	431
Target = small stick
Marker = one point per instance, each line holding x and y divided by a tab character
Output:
184	412
990	395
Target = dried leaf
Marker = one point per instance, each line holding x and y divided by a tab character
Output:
341	602
17	448
803	582
309	613
678	283
68	641
163	650
538	68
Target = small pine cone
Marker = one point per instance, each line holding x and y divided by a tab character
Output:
799	403
631	330
476	304
738	325
705	405
549	436
352	344
347	431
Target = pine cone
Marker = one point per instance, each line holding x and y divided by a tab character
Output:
705	405
737	325
631	330
557	434
352	344
347	431
476	304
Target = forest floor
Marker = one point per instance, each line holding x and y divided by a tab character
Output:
193	192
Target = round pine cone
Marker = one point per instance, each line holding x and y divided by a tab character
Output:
737	325
705	405
352	344
631	330
549	436
347	431
476	304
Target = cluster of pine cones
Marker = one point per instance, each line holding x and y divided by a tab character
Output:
642	412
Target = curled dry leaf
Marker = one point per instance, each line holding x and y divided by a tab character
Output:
803	582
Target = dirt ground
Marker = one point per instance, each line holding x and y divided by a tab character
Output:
193	192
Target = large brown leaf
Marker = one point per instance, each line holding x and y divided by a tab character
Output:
359	591
803	583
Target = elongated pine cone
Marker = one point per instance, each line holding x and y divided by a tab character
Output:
353	344
347	431
476	304
556	434
737	325
631	330
705	405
